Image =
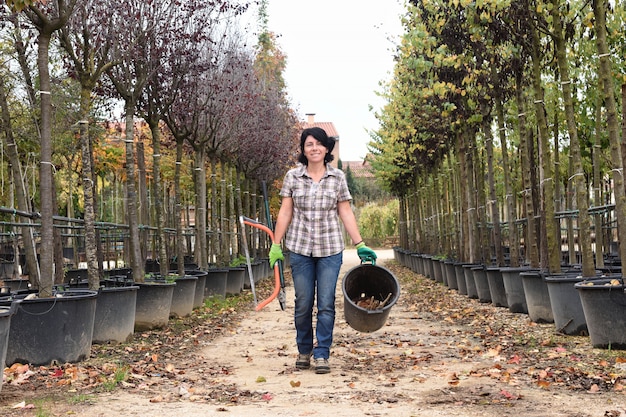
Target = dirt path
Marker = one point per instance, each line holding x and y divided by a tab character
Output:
416	365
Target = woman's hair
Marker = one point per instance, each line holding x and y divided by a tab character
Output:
319	134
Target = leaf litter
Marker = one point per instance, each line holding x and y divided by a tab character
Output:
504	353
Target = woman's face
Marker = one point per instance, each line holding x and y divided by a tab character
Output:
314	150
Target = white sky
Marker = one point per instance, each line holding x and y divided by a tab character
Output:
337	53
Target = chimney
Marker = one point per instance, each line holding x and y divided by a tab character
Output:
310	118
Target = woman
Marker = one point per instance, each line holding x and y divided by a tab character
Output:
314	196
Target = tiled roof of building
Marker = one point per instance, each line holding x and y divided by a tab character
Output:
328	127
360	169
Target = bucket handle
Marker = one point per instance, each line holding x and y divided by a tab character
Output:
372	261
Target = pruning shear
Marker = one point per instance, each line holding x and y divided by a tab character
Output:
279	281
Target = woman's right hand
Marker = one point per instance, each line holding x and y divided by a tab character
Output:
276	254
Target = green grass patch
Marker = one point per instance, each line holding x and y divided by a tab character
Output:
81	399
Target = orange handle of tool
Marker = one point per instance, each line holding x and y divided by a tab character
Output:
276	290
276	271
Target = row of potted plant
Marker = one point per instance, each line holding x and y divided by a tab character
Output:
41	331
577	305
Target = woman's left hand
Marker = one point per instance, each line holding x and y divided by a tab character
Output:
366	254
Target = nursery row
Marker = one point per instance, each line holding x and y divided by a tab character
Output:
41	331
593	306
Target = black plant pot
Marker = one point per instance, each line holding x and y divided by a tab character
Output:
427	266
266	271
436	268
460	278
604	304
451	274
470	284
5	325
115	314
567	309
444	272
482	284
201	276
183	296
119	272
56	329
234	284
258	271
247	282
7	269
537	297
496	287
515	297
76	275
415	263
368	281
154	301
216	281
16	284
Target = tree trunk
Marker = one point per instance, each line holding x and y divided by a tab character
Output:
215	242
447	210
178	219
472	200
46	250
143	212
484	246
457	219
427	244
463	207
201	207
164	264
232	218
493	200
509	198
91	251
530	239
553	249
239	211
580	187
224	248
254	214
402	222
72	241
21	192
597	180
59	262
136	259
599	11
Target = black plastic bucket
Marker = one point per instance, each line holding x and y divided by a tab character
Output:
365	281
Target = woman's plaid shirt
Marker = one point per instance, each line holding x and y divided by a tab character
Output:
314	229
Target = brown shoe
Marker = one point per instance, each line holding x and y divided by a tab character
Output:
303	361
321	366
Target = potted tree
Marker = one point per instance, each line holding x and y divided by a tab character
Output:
52	325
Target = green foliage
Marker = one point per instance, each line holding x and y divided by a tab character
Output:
238	261
351	180
369	190
378	221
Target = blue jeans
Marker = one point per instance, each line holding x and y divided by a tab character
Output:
311	274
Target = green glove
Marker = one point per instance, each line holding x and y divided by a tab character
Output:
276	254
365	253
